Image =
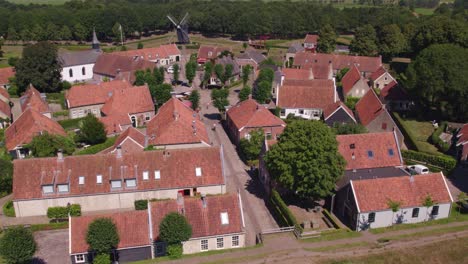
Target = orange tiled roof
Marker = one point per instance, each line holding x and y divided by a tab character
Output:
379	72
328	111
32	99
369	107
350	79
5	108
4	93
298	74
311	38
92	94
307	94
133	100
338	61
251	114
5	74
156	53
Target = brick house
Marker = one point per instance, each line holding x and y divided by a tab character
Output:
250	57
338	113
111	66
210	53
114	181
380	78
354	85
162	55
263	173
130	141
374	116
395	97
368	200
248	116
33	99
5	108
5	75
462	144
217	223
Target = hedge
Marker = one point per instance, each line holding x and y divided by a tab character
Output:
409	137
285	216
141	204
435	138
61	212
9	209
98	148
69	124
331	218
446	162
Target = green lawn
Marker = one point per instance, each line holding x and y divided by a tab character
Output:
339	247
49	2
332	235
422	131
424	11
10	51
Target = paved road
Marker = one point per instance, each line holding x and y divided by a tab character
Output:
52	247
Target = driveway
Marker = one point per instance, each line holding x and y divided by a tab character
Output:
52	247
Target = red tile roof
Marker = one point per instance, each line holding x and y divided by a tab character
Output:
129	101
4	93
5	108
393	92
28	125
204	52
177	170
116	123
32	99
307	94
297	74
338	61
112	65
92	94
462	135
309	38
350	79
133	134
374	194
204	221
173	124
251	114
132	227
379	72
321	71
5	74
152	54
369	107
332	108
464	155
359	145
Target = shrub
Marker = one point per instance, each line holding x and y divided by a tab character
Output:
92	131
98	148
61	212
9	209
75	210
102	259
6	176
174	228
175	251
410	139
286	216
102	235
435	138
17	245
69	124
141	204
60	113
446	162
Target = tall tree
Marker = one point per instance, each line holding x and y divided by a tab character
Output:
51	32
365	41
262	92
161	93
227	72
190	70
102	235
47	145
208	71
246	71
6	176
220	98
92	131
194	98
176	73
244	93
17	245
65	33
219	71
12	34
327	39
174	229
392	41
250	148
39	66
306	159
80	32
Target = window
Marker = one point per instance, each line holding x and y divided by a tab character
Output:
198	171
99	179
62	188
435	210
147	117
370	154
81	180
415	212
301	111
235	241
134	121
390	152
384	126
283	112
219	242
70	73
145	175
79	258
130	183
116	184
371	217
83	71
204	244
157	175
224	218
48	189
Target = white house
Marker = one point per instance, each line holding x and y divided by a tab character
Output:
369	201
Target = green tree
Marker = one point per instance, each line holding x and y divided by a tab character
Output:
209	67
80	32
244	93
175	251
37	33
6	176
437	79
341	74
47	145
25	34
219	71
102	259
266	74
427	202
161	93
246	71
306	159
462	200
194	98
39	66
365	41
220	98
65	33
327	39
51	32
227	73
250	148
17	245
102	235
174	228
12	35
92	131
391	41
140	78
190	70
117	32
395	206
176	73
262	92
140	45
349	128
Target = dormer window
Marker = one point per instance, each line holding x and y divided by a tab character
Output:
370	154
224	218
81	180
47	189
198	171
390	152
157	174
145	175
130	183
116	184
63	188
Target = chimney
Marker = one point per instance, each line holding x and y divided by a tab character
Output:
311	74
59	155
203	199
119	152
166	154
180	203
411	178
176	115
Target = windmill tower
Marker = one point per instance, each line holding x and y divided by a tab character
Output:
182	29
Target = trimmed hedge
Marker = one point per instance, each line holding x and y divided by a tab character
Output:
98	148
141	204
329	216
435	138
446	162
61	212
409	137
285	216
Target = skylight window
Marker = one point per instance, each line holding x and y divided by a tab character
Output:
198	172
145	175
99	179
116	184
352	146
224	218
370	154
81	180
157	174
390	152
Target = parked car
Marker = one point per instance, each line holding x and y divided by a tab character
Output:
170	69
418	169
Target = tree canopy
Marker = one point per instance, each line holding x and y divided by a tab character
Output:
102	235
194	98
250	148
174	228
17	245
306	159
92	131
327	39
47	145
365	41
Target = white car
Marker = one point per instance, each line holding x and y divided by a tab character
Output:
170	69
418	169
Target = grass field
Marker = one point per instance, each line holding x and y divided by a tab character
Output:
424	11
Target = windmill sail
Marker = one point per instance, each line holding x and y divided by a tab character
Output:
182	28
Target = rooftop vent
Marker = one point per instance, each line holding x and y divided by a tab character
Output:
352	146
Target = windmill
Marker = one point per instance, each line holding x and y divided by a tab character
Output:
182	29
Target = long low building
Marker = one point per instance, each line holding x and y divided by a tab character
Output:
115	181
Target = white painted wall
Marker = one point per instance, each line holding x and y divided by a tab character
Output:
307	113
194	244
107	201
77	73
387	218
